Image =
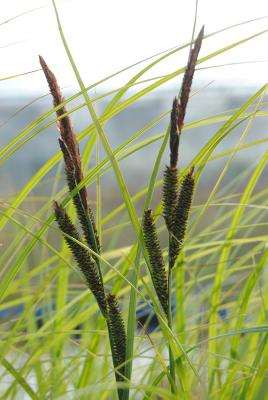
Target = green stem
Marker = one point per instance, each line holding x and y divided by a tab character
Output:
171	357
172	362
180	298
181	319
120	391
131	326
135	274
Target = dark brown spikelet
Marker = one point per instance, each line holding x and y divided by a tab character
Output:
73	166
170	193
85	216
83	258
117	334
174	137
188	78
180	216
158	272
65	127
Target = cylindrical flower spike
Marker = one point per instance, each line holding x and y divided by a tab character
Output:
83	258
65	127
117	335
85	216
180	216
158	271
170	193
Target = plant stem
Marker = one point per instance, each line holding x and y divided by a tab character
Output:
181	315
169	316
181	320
120	391
180	297
131	325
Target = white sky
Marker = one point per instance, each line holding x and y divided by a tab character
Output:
105	36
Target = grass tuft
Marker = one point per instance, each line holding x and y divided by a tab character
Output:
200	296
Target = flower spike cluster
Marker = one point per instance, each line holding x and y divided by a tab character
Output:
177	199
72	160
88	264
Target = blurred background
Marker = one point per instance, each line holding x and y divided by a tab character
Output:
106	37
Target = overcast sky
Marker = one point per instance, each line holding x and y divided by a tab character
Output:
107	35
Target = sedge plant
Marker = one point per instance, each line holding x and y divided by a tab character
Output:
176	206
177	200
88	263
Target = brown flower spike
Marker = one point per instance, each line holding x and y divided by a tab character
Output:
68	136
188	78
72	159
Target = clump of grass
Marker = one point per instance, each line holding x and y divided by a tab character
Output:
245	353
88	264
